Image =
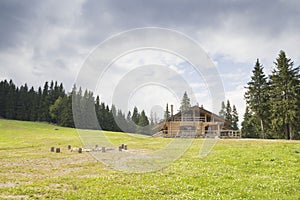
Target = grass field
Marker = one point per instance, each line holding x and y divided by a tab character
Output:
235	169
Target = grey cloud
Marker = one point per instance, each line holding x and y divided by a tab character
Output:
63	31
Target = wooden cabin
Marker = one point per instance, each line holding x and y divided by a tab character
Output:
195	122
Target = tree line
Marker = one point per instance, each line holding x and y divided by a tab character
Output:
52	104
230	114
273	102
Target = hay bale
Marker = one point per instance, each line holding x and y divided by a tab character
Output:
120	148
69	147
57	150
125	146
80	150
103	149
52	149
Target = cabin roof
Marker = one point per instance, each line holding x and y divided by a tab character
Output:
201	110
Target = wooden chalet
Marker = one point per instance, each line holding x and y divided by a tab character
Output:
195	122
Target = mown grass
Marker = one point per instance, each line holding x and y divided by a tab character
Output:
235	169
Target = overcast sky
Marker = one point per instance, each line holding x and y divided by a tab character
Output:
50	40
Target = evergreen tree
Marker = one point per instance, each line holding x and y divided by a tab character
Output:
4	88
185	103
143	120
130	124
112	118
228	115
135	116
222	112
143	123
66	115
33	104
257	95
45	104
55	110
284	83
250	125
11	100
235	118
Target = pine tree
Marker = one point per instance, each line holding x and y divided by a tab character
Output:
222	112
143	120
11	100
235	118
185	103
45	104
284	83
4	88
228	115
22	104
143	123
130	124
250	125
33	104
135	116
257	95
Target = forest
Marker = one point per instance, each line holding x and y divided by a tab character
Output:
52	104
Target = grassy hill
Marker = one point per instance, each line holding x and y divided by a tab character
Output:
235	169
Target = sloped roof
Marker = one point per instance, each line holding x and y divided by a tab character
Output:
201	110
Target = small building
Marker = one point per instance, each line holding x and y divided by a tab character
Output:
195	122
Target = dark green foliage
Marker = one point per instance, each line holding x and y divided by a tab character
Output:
275	104
52	104
257	96
284	85
135	116
143	123
250	125
222	112
11	100
4	88
185	103
235	118
230	114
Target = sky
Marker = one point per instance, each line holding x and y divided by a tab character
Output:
54	40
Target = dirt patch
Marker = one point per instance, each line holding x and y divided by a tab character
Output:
14	197
7	185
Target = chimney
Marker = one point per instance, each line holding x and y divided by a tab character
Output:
171	110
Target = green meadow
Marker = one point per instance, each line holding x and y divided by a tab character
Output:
235	169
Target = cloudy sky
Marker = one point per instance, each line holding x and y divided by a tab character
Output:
51	40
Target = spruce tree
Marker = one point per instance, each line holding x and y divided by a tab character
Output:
4	88
11	99
185	103
143	123
250	125
284	83
257	95
222	112
135	116
235	118
228	115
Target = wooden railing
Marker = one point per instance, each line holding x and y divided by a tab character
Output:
190	119
207	133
